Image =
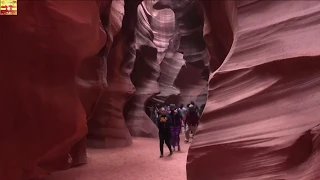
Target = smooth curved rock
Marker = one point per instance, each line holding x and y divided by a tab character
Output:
41	114
190	88
161	29
260	121
108	129
144	77
89	50
263	83
92	79
188	49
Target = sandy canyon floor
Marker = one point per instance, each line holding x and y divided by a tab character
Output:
138	162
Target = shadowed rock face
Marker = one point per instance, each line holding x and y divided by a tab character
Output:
65	65
41	114
261	119
107	126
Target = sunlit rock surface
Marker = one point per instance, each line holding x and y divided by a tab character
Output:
166	49
186	56
261	119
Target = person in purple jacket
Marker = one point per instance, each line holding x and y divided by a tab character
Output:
175	128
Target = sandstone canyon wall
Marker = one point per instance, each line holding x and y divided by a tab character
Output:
41	114
184	69
107	127
171	63
261	120
114	55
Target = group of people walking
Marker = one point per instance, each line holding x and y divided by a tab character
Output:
171	119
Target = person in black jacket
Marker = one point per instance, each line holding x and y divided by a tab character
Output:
192	122
164	122
195	106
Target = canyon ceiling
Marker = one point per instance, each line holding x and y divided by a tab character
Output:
77	74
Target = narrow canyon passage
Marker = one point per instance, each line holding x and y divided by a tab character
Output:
79	80
139	162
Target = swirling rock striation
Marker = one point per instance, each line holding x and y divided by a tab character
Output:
107	127
260	121
92	49
187	50
119	56
144	77
161	28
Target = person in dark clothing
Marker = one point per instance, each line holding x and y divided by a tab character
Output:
175	126
192	121
164	122
195	106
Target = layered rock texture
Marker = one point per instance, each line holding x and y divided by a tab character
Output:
81	73
261	120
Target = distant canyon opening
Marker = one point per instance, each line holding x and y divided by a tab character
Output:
164	53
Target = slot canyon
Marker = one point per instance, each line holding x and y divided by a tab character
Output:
79	77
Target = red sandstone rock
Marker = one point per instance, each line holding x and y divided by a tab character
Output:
106	126
261	118
257	122
65	41
190	88
144	77
177	30
41	114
